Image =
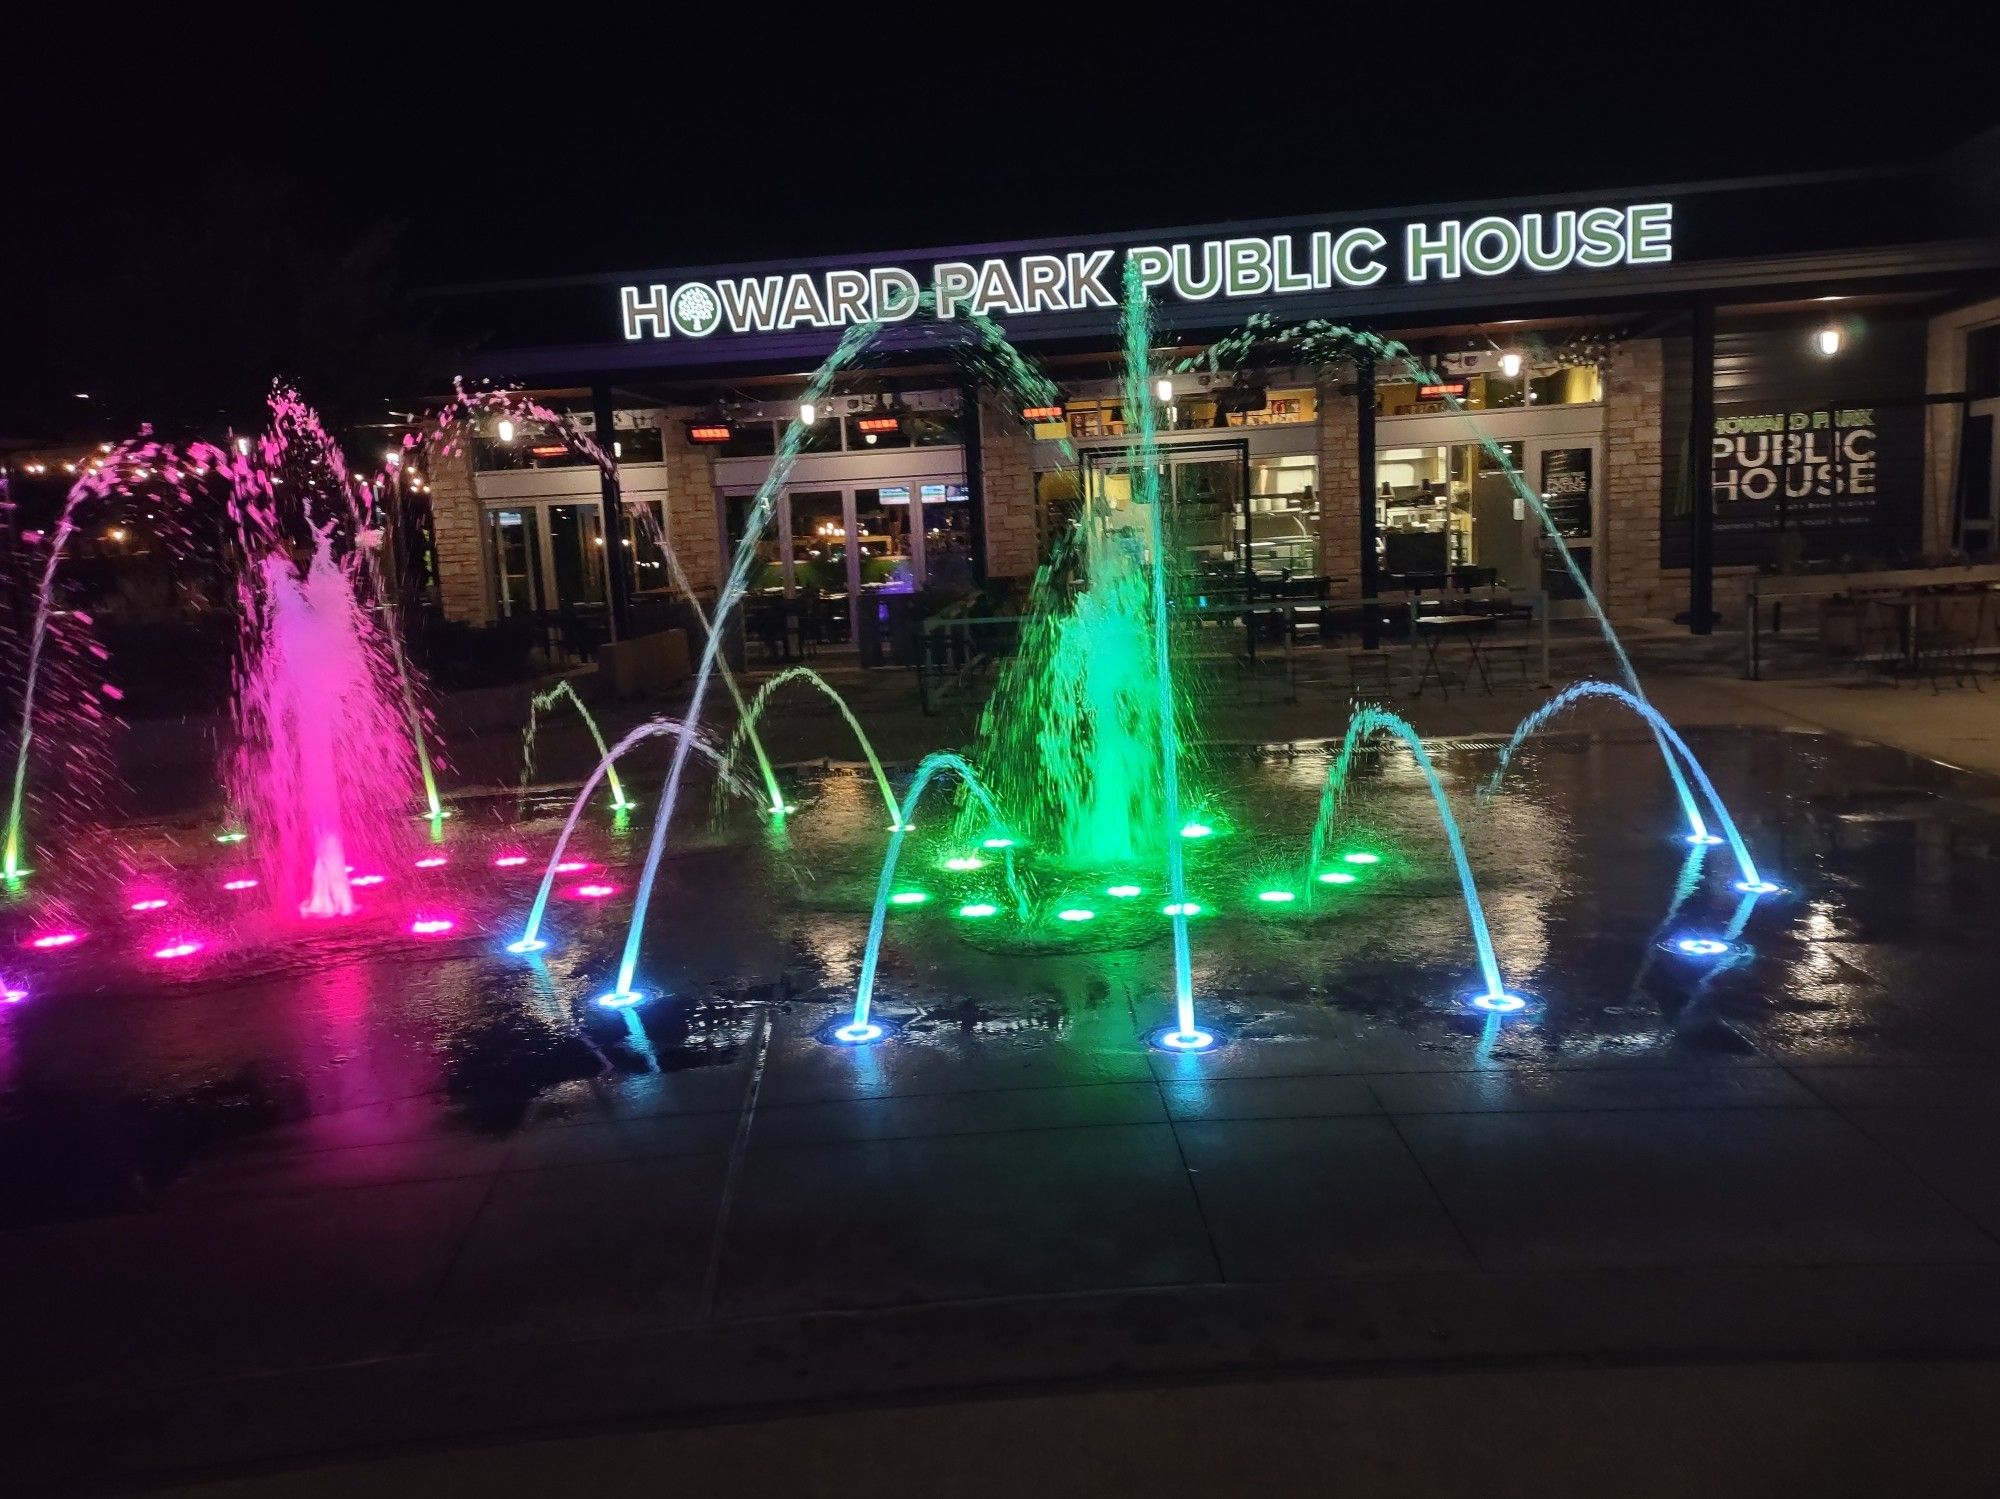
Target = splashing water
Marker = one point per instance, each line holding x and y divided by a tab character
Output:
852	342
1322	341
543	701
860	1028
746	728
1671	744
321	743
530	939
1367	722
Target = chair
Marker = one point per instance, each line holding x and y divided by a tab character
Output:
1948	631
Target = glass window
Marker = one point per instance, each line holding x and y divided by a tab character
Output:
882	539
642	535
765	575
822	436
873	430
752	439
532	448
1445	506
1284	515
1538	384
637	445
947	537
933	429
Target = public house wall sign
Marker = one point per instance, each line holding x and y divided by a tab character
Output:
1192	271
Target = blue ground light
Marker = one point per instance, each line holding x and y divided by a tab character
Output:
1499	1004
1170	1038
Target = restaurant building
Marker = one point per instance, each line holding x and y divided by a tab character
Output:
1821	352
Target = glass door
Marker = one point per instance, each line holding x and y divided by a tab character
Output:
576	554
517	561
884	547
1565	472
819	565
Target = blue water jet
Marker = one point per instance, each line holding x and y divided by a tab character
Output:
1575	693
927	771
1367	722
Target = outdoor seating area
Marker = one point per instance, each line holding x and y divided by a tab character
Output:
1936	625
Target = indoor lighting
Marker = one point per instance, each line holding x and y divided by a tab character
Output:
1510	364
1827	341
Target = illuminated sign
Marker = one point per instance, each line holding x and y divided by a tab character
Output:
708	434
548	450
1041	413
1276	265
879	423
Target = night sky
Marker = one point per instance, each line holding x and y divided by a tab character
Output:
195	212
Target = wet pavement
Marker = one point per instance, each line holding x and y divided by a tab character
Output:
311	1194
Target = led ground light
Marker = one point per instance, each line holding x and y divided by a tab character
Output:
366	880
1173	1039
1362	857
620	999
1076	914
1698	947
150	903
964	862
1337	877
231	837
12	993
997	843
431	861
1276	897
1703	840
858	1033
594	892
431	926
242	882
902	827
50	941
510	861
908	898
1758	887
1499	1004
184	948
1197	830
978	910
1181	908
526	945
1122	892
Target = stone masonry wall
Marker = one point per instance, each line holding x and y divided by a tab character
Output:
1007	463
693	526
1339	483
1633	586
455	520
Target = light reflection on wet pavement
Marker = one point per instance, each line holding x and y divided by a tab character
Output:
1879	950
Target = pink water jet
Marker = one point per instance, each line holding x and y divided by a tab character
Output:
324	753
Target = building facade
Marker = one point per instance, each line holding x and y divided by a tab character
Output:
1701	382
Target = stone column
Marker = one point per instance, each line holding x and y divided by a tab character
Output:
1632	496
1007	455
464	589
693	523
1339	498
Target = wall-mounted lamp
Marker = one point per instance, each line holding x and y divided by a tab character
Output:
1828	340
1510	364
808	412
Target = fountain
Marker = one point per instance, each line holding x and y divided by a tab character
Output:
320	741
1081	781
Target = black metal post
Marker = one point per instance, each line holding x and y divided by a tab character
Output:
974	446
617	577
1364	465
1701	470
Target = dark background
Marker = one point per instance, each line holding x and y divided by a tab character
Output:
200	203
